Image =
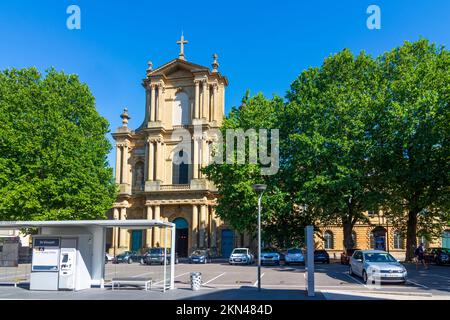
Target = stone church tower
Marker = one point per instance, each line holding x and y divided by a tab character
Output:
158	164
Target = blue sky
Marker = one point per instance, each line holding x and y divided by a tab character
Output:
262	45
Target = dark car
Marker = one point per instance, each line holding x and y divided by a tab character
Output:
321	256
200	256
156	256
126	257
439	256
345	256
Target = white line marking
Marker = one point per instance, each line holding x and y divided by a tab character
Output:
173	277
417	284
142	274
214	278
353	278
256	282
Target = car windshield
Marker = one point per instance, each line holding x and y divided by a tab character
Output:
269	250
239	251
294	251
155	251
379	257
199	252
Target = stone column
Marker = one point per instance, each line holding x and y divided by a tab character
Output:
206	100
125	164
118	163
194	230
123	232
151	160
149	235
202	225
202	110
215	98
197	100
152	104
160	102
195	160
158	159
204	153
156	231
213	228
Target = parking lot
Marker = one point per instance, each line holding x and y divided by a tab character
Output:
331	280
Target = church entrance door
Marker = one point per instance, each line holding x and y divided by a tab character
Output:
181	236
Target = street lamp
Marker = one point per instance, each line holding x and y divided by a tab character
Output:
259	189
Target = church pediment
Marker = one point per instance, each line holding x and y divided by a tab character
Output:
177	68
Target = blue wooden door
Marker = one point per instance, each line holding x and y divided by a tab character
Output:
136	240
227	242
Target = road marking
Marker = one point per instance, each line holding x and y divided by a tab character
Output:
438	275
256	282
417	284
354	279
214	278
173	277
142	274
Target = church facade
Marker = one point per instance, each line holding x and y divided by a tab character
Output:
158	165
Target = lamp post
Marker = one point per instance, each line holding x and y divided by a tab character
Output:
259	189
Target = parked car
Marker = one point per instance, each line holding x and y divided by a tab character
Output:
127	257
380	265
437	255
241	256
321	256
294	255
270	256
200	256
156	256
346	255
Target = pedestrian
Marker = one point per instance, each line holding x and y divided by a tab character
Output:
420	258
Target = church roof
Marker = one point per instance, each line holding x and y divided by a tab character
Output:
177	64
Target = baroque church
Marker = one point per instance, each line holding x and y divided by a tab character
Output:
158	165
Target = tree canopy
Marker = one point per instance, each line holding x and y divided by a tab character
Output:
53	149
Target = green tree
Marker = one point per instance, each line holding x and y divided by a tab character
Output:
412	134
53	149
237	202
326	147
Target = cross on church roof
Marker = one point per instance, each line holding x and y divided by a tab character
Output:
182	42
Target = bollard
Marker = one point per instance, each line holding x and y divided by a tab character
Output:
196	280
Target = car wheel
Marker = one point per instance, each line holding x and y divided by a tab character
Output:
286	263
364	276
328	261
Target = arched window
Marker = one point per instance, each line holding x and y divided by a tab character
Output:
378	238
398	240
328	240
180	168
371	241
139	179
354	238
180	109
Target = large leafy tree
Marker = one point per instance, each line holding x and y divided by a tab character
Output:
412	135
326	145
53	149
237	201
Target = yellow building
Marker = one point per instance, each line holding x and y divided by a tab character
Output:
374	234
158	164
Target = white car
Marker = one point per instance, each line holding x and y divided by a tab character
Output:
377	265
108	257
294	255
241	256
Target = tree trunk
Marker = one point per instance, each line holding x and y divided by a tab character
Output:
411	233
348	240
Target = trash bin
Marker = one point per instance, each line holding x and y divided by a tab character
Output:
196	280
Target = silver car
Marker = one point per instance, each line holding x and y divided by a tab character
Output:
241	256
377	265
294	255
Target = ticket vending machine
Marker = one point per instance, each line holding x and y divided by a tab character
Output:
67	266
